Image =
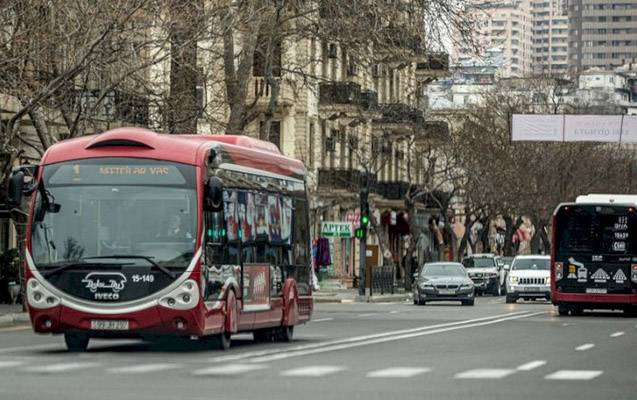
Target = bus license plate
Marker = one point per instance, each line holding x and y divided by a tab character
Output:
109	325
597	290
447	291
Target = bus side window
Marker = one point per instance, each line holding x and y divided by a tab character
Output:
300	231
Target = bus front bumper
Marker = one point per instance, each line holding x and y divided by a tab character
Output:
156	320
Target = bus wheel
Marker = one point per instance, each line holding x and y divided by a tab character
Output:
630	312
221	341
562	309
285	333
76	342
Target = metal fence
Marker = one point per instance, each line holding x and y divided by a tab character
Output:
382	280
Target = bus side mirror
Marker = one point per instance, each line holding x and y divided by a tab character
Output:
214	194
16	188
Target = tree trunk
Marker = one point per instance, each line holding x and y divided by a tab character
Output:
183	111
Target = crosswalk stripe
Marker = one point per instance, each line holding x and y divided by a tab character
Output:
585	347
531	365
142	368
485	373
313	371
574	375
228	370
617	334
398	372
62	367
7	364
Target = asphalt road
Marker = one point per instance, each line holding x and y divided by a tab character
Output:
355	351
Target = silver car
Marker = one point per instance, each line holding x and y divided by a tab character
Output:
443	281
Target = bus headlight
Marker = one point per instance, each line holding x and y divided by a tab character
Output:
633	273
559	271
39	297
185	297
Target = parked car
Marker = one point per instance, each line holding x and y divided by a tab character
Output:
529	278
443	281
483	270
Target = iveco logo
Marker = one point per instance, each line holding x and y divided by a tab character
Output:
113	281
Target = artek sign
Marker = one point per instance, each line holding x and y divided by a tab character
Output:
336	229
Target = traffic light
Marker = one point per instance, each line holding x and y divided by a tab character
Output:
364	207
361	232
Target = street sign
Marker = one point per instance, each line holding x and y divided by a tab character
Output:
336	229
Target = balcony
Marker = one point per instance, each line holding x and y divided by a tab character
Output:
345	179
431	66
347	94
401	114
391	190
261	91
114	106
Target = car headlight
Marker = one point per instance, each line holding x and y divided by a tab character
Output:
426	285
547	281
466	286
514	279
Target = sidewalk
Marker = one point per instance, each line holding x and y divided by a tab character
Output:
351	296
11	314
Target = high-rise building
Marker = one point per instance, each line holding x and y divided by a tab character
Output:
504	25
602	33
550	37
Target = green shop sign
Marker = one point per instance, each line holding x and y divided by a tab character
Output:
336	229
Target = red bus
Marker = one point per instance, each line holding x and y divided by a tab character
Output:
594	254
137	234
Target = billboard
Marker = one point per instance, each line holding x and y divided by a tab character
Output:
574	128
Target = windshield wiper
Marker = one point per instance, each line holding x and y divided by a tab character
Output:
62	267
136	257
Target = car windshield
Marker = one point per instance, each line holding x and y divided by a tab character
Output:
112	209
478	262
443	270
531	263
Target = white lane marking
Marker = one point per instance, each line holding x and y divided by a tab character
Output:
397	372
585	347
62	367
485	373
50	346
531	365
259	353
313	371
300	353
142	368
573	375
367	314
228	370
322	320
7	364
394	312
617	334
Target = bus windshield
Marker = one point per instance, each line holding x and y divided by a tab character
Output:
116	210
594	229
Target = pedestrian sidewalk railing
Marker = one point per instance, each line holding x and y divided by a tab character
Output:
382	280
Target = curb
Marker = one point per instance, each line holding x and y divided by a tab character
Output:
13	319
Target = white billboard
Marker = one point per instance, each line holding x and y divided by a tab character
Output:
574	128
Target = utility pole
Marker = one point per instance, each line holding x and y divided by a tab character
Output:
361	234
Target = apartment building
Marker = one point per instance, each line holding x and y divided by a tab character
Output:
550	37
506	25
602	33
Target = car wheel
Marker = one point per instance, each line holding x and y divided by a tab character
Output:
468	302
421	302
510	299
496	290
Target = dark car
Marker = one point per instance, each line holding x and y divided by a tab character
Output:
483	270
443	281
